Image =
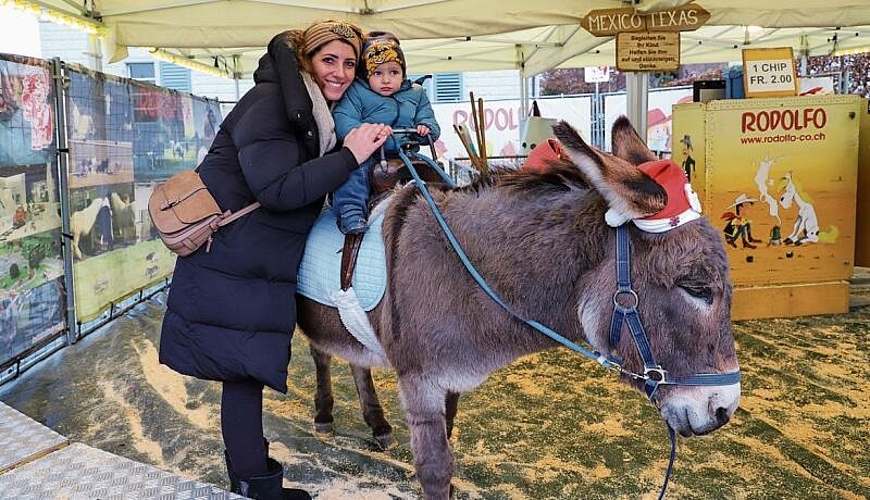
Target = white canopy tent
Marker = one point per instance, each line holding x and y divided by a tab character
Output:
459	35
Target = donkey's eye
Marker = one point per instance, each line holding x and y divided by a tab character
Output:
704	293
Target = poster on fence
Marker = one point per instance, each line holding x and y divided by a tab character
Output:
31	298
502	121
659	121
125	137
100	131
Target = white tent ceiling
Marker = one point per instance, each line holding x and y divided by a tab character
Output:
463	35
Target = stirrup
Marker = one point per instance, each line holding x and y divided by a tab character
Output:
349	253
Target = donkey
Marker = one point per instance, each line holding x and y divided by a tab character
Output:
443	335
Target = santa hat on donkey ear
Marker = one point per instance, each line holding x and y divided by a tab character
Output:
683	205
545	155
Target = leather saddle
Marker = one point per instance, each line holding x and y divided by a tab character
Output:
387	174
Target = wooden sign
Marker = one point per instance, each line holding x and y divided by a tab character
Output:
648	51
610	22
769	72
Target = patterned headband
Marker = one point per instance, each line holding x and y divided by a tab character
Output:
322	33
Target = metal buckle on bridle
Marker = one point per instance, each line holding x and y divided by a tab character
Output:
629	292
657	374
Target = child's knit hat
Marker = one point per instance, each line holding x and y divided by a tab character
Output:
381	47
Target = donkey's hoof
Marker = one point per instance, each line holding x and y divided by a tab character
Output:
324	429
386	441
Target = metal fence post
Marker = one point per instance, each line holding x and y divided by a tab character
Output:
60	83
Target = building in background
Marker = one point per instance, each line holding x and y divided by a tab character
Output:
19	32
72	46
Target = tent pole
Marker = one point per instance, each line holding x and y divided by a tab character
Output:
636	93
524	105
237	74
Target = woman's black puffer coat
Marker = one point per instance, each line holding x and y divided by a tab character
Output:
231	311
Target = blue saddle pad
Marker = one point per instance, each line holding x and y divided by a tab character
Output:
320	270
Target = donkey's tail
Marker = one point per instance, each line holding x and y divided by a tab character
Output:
829	236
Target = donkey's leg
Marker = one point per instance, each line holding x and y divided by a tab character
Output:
433	459
451	406
371	408
323	400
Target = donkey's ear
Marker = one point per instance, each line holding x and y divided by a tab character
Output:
627	144
630	193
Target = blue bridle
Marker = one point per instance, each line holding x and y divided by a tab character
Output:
653	376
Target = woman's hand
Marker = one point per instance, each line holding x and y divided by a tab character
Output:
364	140
422	130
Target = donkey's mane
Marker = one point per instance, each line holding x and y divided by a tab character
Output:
553	194
560	176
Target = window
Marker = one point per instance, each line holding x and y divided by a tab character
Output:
442	87
448	87
175	77
144	72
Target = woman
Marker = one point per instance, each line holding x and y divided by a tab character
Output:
231	311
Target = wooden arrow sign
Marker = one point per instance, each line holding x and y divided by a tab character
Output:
609	22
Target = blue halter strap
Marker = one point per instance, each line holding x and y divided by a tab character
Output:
625	302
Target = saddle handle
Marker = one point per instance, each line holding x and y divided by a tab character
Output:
410	131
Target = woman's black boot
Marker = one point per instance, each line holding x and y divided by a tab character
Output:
270	486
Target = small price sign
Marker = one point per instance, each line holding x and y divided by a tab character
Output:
769	72
596	74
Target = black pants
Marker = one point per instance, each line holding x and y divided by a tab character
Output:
242	427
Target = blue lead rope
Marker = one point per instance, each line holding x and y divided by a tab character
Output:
653	375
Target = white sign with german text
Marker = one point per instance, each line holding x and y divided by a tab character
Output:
769	72
596	74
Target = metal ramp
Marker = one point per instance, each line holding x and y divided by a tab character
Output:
38	463
23	439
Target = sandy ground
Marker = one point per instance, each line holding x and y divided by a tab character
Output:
552	425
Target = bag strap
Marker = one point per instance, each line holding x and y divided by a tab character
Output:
239	213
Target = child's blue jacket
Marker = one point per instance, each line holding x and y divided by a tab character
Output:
407	108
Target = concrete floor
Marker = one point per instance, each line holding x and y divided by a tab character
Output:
552	425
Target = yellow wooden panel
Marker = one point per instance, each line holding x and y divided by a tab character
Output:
689	142
862	230
784	171
784	301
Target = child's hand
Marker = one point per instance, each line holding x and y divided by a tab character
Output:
422	130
